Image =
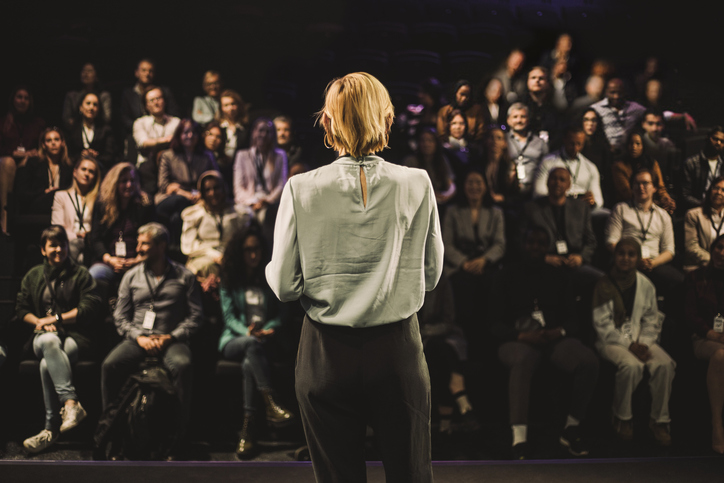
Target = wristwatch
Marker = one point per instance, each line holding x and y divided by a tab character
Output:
58	318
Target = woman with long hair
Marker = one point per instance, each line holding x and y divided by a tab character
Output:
634	158
121	208
179	169
702	224
51	170
58	299
597	149
234	120
703	309
462	100
430	156
498	169
90	135
73	208
19	134
628	323
214	138
252	316
207	227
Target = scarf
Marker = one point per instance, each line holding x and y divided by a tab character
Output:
611	287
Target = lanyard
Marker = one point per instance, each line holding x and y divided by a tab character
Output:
525	146
220	225
52	177
76	206
148	282
644	232
717	228
259	161
574	177
86	138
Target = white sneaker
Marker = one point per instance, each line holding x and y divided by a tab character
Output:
40	441
71	416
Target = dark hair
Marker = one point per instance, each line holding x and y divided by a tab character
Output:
573	129
176	145
100	117
439	162
652	111
487	197
459	84
711	132
232	271
272	137
451	115
431	86
643	161
216	124
12	100
706	205
55	233
149	88
639	170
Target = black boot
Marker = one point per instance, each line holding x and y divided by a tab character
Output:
276	415
247	443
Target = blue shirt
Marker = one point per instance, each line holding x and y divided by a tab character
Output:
351	264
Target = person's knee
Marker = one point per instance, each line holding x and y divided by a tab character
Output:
47	341
7	166
717	359
633	369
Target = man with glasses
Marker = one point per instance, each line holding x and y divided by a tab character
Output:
700	169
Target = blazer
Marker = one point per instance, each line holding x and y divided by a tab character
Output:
697	239
694	176
31	181
103	143
275	176
459	238
173	168
579	232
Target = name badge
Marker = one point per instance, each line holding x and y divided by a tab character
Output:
121	249
645	252
537	315
627	328
562	247
520	169
543	135
719	324
149	319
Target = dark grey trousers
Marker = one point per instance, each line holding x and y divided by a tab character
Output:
348	378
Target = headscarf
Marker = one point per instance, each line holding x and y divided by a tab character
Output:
612	286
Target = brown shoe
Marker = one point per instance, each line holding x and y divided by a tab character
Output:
623	429
276	414
247	443
661	433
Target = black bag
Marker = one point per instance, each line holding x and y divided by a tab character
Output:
142	423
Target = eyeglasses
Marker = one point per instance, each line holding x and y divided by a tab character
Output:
590	119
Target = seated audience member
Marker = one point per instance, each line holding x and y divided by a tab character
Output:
526	149
473	233
704	308
628	323
598	151
252	316
120	209
205	108
420	115
570	231
702	225
636	158
73	208
234	120
19	134
59	300
563	89
594	93
561	52
700	169
74	99
285	139
619	116
152	134
37	181
158	310
659	147
543	117
215	145
512	76
445	351
133	100
463	152
498	169
654	98
90	136
530	315
179	169
585	180
430	156
651	226
495	107
207	227
472	112
260	172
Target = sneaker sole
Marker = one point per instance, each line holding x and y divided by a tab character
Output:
565	443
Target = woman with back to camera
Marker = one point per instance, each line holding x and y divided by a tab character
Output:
358	241
252	315
58	298
73	208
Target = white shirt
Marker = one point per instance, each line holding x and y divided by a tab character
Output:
351	264
627	220
146	127
584	176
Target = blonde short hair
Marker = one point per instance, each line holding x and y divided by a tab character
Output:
357	115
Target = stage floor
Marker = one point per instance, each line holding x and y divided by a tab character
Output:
639	470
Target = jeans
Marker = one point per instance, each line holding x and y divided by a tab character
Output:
250	352
56	357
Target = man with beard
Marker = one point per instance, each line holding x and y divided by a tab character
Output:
526	149
700	169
